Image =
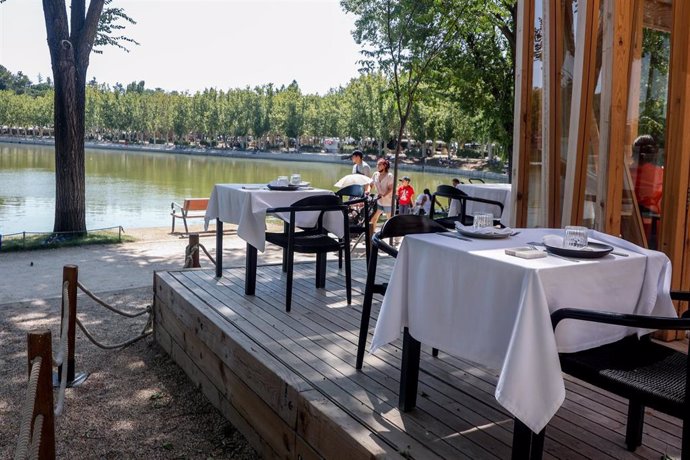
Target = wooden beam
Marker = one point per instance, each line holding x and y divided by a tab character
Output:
580	114
551	133
522	116
620	24
673	235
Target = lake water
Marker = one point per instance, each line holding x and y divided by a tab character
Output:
134	189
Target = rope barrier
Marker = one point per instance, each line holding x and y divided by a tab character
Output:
189	253
102	303
112	347
36	438
208	254
28	411
63	350
62	347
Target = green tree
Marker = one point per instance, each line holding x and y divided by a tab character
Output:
70	42
405	39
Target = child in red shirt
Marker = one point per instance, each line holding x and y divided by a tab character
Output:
405	196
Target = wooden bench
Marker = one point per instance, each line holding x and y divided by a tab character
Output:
190	209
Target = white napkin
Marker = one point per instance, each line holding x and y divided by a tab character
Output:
555	241
484	230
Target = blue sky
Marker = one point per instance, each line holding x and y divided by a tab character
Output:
191	45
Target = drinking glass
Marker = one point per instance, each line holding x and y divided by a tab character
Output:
483	220
575	237
296	179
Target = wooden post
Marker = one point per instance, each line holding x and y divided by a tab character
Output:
39	345
69	274
194	249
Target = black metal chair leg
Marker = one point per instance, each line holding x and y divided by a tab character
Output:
348	276
288	287
250	271
526	443
366	309
340	259
219	248
633	432
321	270
685	442
409	373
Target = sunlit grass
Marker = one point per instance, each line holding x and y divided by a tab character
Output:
33	241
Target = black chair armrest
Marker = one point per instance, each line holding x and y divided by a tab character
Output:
619	319
306	208
680	295
382	245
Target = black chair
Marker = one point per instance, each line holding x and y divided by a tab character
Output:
359	207
476	180
646	373
394	227
315	240
452	193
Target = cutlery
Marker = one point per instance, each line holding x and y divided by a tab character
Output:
615	253
534	246
453	235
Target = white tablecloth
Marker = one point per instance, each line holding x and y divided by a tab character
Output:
496	192
472	300
246	205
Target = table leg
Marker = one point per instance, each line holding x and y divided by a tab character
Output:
526	443
219	248
409	373
250	271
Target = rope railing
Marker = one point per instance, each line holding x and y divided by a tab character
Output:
24	441
102	303
192	252
37	431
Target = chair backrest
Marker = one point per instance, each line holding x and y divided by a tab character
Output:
402	225
317	200
350	191
195	204
475	180
448	191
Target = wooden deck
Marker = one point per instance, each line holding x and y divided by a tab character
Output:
288	383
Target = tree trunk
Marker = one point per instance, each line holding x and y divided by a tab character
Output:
69	57
70	96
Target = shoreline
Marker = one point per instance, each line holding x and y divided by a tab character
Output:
275	156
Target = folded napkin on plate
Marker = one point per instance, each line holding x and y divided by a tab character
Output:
484	230
555	241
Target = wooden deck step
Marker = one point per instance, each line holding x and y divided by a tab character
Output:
287	380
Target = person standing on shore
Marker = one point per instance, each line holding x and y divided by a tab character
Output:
405	195
358	164
383	181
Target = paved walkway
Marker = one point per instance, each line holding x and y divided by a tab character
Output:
37	274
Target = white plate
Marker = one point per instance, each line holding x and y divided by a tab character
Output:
486	236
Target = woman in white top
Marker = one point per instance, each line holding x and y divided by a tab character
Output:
383	181
423	203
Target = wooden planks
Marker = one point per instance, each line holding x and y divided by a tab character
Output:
288	382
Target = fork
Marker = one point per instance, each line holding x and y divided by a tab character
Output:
552	254
453	235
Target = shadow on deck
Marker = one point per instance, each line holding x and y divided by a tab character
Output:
288	382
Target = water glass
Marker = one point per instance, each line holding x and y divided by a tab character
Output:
483	220
575	237
282	181
296	179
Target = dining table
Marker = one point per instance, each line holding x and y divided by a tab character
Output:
246	205
495	192
493	308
